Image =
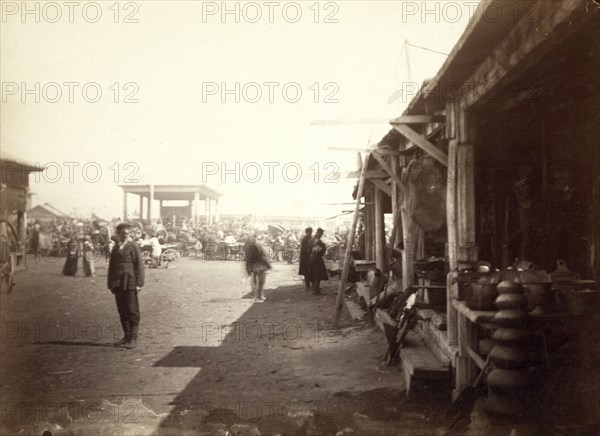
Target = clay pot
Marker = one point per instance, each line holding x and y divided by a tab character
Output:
585	301
509	287
563	288
511	336
511	318
509	380
511	301
540	294
516	408
510	358
483	297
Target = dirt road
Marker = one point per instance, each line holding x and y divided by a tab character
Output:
210	360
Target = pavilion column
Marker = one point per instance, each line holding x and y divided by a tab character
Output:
210	220
206	210
124	205
150	199
217	218
196	209
141	207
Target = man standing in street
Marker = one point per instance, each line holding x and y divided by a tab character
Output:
304	256
316	264
125	280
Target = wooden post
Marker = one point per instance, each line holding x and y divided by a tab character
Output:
410	246
150	201
124	205
379	231
196	209
350	242
465	189
368	223
217	217
141	207
451	312
396	200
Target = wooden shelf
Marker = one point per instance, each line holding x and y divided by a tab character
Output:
475	316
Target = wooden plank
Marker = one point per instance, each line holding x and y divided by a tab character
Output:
419	362
436	342
476	358
350	243
382	186
547	24
389	171
418	119
423	143
364	265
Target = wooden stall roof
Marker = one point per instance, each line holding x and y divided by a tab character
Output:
24	165
491	23
173	192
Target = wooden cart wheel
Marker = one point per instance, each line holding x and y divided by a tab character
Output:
146	259
168	258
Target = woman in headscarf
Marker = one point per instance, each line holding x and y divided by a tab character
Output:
73	251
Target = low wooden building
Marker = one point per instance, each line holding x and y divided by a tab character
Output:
496	159
45	213
14	187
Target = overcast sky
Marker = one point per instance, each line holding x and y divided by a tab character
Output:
173	60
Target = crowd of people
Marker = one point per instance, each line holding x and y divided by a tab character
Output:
225	240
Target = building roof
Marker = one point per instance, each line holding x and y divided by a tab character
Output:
47	207
173	192
25	164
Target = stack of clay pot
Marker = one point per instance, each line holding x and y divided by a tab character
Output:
512	381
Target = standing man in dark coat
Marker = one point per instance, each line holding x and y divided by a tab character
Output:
316	264
304	256
125	280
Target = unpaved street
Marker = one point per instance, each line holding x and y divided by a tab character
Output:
210	360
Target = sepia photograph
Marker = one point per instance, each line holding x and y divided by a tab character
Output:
300	218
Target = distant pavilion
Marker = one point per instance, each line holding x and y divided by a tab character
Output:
193	194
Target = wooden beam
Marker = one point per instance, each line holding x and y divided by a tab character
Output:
350	243
384	187
385	152
423	143
370	174
389	171
418	119
548	24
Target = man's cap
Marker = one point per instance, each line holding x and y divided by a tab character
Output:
123	226
320	230
308	229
